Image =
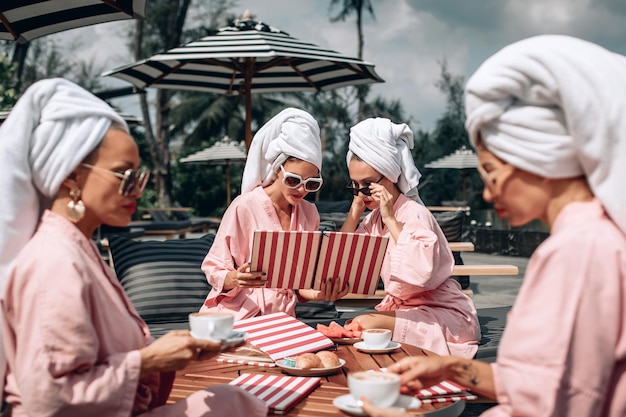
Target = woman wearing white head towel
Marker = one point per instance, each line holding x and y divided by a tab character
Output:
546	116
423	306
283	166
75	345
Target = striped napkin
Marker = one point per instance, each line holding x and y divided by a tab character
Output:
279	392
221	359
247	355
280	335
444	392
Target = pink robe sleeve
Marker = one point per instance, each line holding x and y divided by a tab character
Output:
230	249
421	258
558	351
56	363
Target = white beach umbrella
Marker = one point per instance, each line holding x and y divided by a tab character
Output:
463	159
249	57
226	152
25	20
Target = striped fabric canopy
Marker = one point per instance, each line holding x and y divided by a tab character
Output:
268	59
25	20
249	57
130	119
461	159
221	152
225	152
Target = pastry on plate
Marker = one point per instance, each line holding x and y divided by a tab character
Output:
329	359
308	361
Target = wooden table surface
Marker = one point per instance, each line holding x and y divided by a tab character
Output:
199	375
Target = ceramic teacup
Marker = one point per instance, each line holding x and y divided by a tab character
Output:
376	338
380	388
214	326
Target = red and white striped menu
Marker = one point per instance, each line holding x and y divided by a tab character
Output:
444	392
279	392
280	335
298	260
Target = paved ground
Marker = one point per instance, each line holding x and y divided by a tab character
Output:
497	290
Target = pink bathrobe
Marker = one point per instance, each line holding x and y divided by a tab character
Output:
563	352
431	310
71	338
232	247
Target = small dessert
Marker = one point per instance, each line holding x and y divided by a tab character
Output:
289	362
308	361
329	359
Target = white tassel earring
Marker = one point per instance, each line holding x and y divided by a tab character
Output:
76	207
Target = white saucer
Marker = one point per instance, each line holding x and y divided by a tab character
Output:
232	339
348	404
364	348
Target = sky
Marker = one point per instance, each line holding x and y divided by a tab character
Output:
406	41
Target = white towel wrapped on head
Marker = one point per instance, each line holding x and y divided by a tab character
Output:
51	129
555	106
291	133
386	147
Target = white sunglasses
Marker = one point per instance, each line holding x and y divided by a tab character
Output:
293	181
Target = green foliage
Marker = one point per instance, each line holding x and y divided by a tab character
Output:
449	134
348	7
8	90
203	186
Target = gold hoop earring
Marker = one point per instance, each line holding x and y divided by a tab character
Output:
76	207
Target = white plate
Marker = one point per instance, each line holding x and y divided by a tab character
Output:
349	405
345	340
233	339
292	370
364	348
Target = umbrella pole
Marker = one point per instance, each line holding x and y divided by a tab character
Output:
248	99
464	194
227	173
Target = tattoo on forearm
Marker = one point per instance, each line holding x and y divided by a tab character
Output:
470	372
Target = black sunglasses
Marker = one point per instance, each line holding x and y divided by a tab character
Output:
355	190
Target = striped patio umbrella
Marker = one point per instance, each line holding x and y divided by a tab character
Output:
225	152
25	20
463	159
130	119
249	57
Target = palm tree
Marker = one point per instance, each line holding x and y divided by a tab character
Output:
348	7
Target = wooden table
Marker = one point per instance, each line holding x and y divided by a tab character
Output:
199	375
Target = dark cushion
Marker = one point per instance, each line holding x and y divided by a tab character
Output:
333	206
451	223
163	279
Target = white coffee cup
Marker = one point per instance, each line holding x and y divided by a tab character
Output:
380	388
376	338
214	326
